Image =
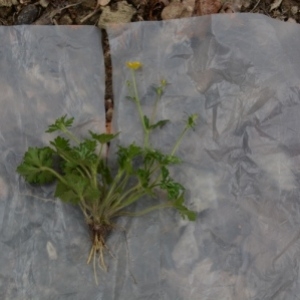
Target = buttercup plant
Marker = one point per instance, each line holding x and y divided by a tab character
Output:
85	178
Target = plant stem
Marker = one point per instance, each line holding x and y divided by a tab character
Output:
63	155
179	140
147	210
140	111
136	196
70	135
55	174
111	190
153	115
126	195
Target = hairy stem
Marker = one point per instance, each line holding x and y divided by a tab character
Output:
179	140
146	211
70	135
140	111
55	174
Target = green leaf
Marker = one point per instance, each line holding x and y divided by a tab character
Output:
159	124
159	90
91	194
147	122
170	160
162	159
103	138
85	152
70	166
191	121
144	177
60	124
76	188
183	210
126	156
61	143
77	183
66	193
173	188
34	163
164	173
105	172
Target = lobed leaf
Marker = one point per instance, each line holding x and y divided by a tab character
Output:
103	138
60	143
34	162
76	188
183	210
159	124
60	124
126	156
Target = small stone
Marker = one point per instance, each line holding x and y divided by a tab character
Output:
5	12
246	3
123	14
8	3
294	10
27	15
44	3
65	20
172	11
208	7
291	20
51	251
103	2
176	10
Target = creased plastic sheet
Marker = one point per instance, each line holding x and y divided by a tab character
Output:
241	75
46	72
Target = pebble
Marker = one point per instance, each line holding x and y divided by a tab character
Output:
44	3
294	10
27	15
123	14
65	20
8	3
51	251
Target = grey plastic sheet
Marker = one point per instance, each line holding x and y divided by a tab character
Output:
240	73
46	72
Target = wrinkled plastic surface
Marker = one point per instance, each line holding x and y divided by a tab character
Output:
241	74
46	72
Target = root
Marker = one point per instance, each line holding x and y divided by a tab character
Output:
99	234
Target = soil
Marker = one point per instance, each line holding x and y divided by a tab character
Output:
101	12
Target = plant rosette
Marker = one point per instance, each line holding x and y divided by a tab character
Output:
85	178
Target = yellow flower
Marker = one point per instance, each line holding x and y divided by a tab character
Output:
134	65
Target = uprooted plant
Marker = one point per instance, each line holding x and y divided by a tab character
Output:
85	178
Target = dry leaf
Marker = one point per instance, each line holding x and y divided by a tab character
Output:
8	3
102	2
229	8
189	5
208	7
123	14
275	5
176	10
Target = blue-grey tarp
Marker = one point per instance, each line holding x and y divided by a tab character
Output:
241	74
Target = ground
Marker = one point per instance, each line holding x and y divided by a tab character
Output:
101	12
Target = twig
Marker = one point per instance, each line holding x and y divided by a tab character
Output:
257	3
48	17
96	10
